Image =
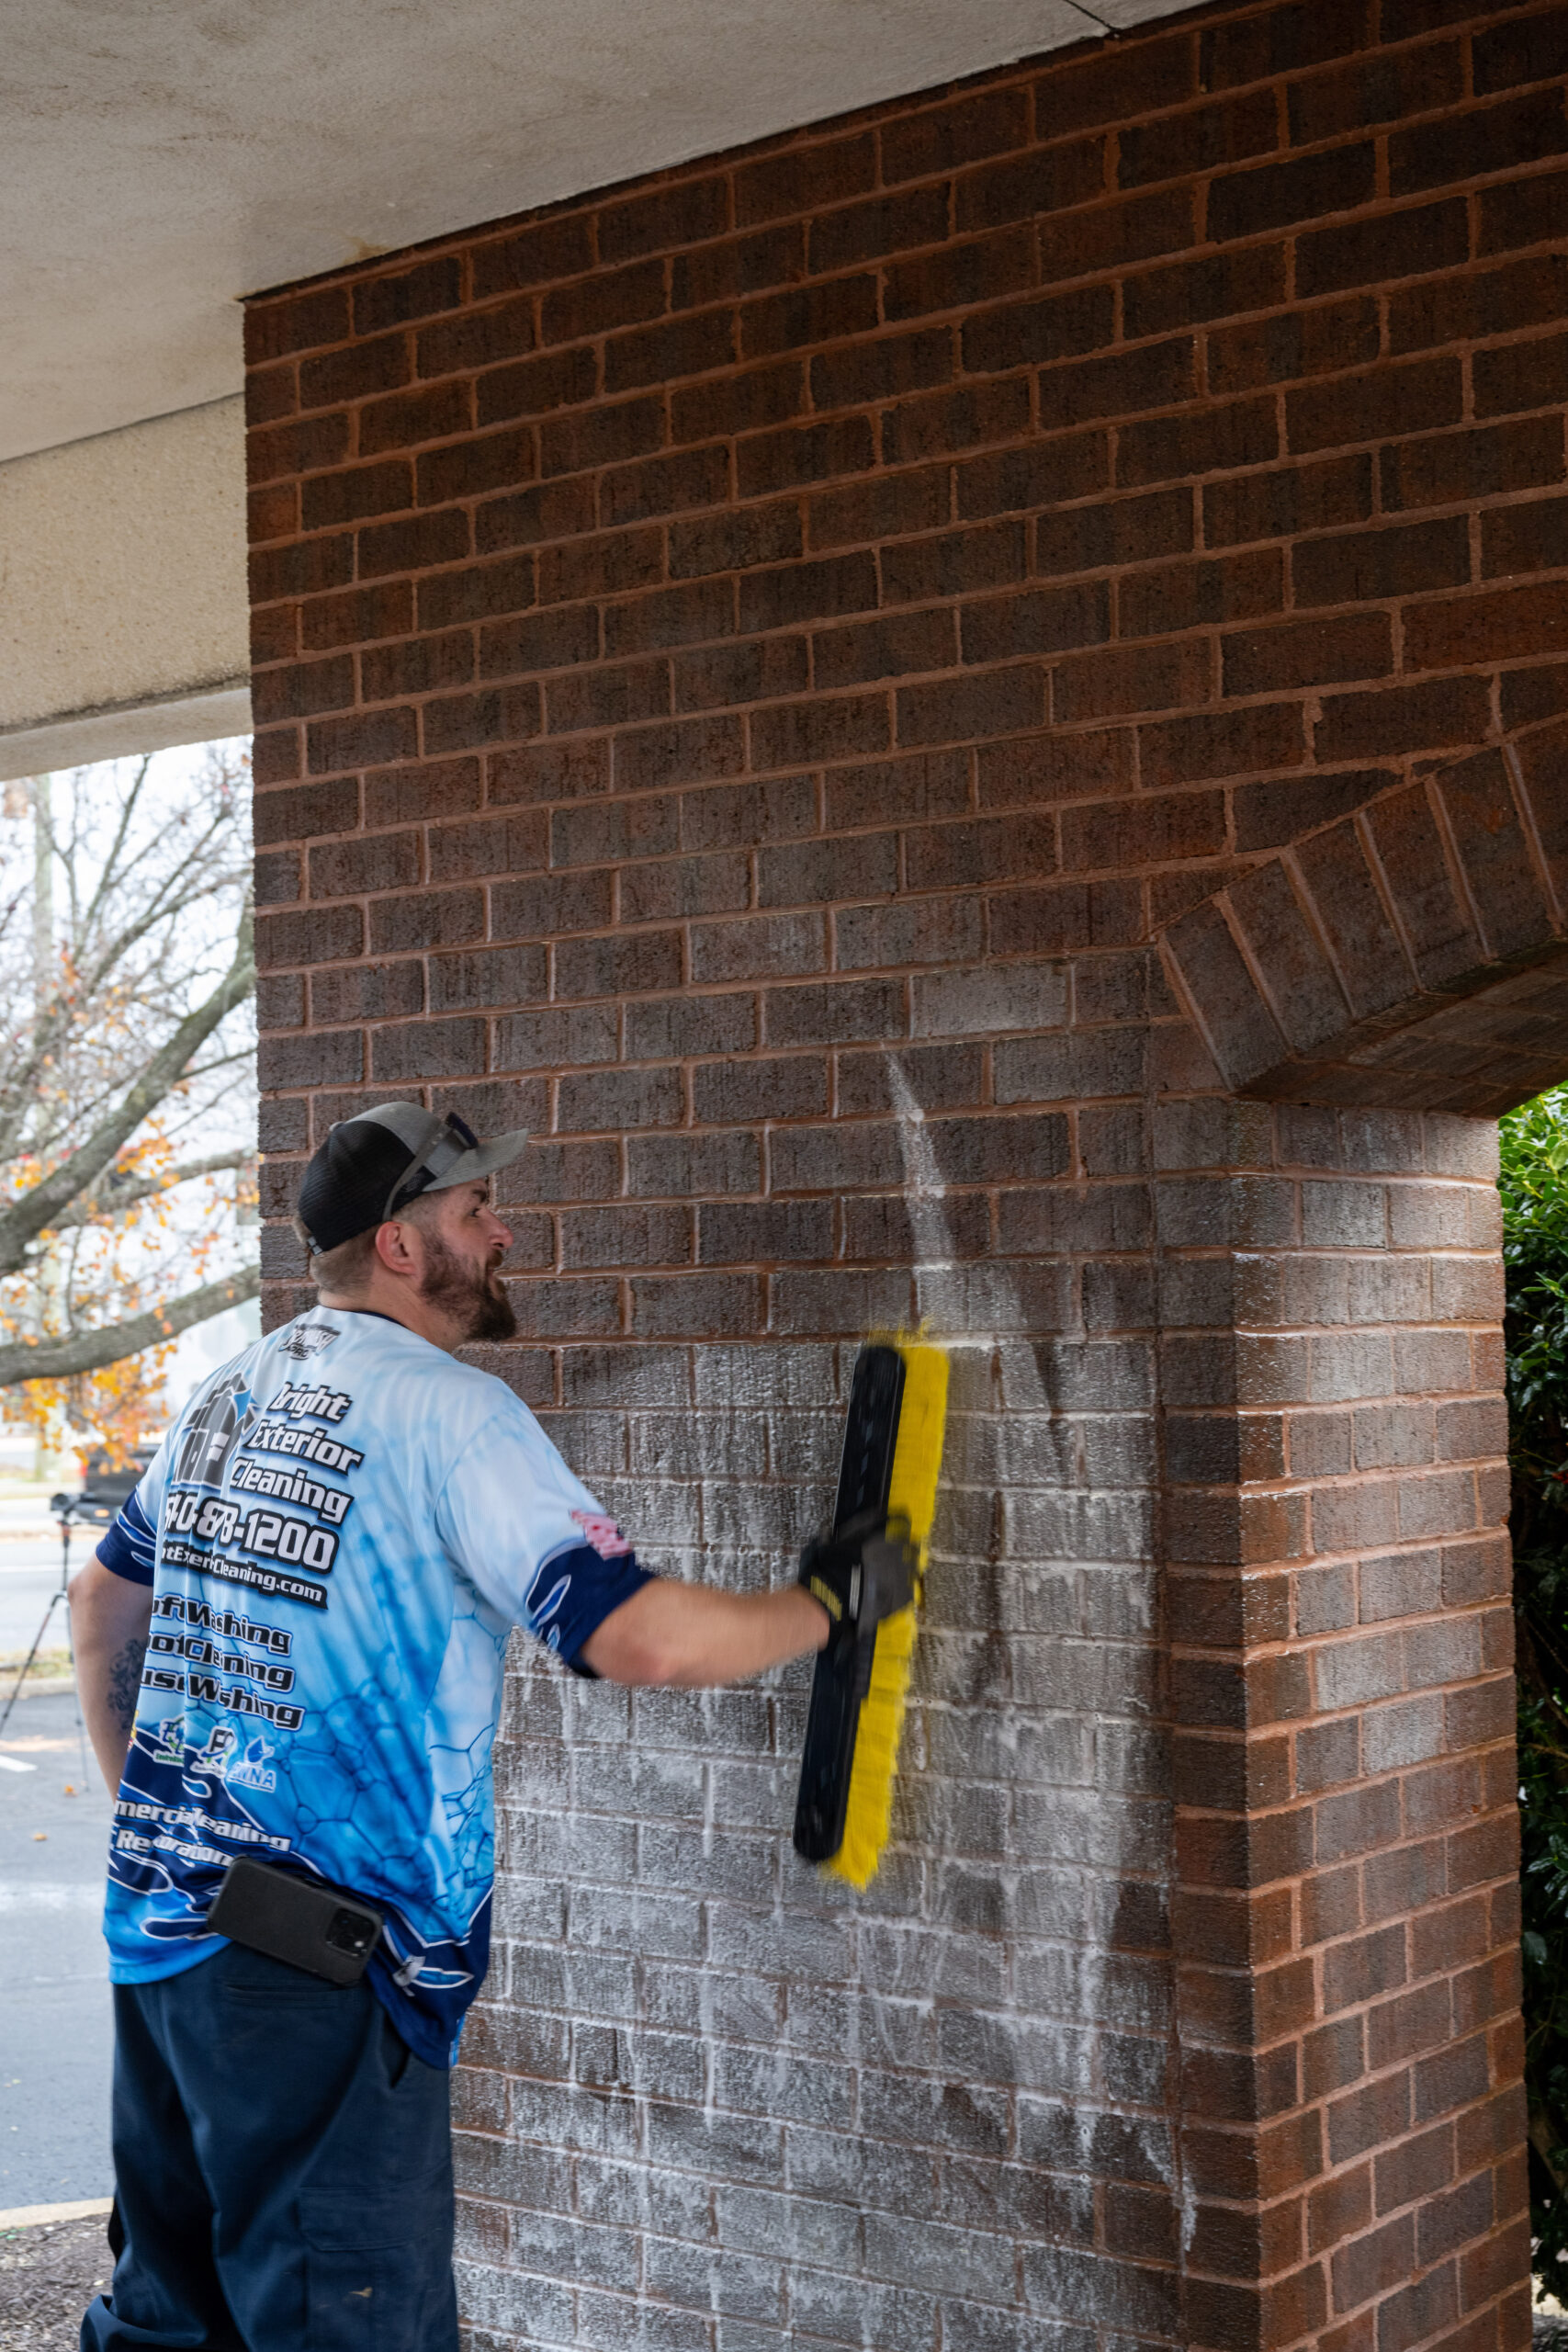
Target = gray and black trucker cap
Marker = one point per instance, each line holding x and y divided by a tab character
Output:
370	1165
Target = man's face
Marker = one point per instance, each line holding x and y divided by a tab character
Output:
464	1243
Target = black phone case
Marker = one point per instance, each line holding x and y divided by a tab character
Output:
320	1929
843	1675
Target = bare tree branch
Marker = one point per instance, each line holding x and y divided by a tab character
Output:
27	1216
87	1351
107	1198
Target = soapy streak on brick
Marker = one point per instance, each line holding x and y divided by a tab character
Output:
746	669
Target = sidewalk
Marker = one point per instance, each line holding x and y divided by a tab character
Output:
55	2022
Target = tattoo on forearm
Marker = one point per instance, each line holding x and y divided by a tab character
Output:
125	1681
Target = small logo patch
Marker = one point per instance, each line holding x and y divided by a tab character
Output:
307	1342
603	1534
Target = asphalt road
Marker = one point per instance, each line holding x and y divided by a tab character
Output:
56	2036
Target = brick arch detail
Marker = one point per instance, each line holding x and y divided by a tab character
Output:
1414	954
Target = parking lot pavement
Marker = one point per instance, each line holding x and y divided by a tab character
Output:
56	2036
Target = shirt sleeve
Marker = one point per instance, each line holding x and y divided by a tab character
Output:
129	1546
532	1539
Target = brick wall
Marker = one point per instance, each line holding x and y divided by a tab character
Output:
747	668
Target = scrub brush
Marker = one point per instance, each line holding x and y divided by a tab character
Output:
891	1459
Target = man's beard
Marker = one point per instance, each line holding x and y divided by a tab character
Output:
474	1296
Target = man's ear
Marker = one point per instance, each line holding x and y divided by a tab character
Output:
393	1248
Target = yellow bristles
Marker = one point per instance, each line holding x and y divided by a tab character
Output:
917	1460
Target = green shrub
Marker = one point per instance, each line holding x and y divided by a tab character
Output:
1534	1184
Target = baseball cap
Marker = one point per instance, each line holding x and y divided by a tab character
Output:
370	1165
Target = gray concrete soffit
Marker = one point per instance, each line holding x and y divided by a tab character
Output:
162	163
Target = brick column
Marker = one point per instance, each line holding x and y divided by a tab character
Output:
876	691
1340	1637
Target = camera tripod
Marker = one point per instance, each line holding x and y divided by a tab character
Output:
67	1510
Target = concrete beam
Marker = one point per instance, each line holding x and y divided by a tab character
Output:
123	616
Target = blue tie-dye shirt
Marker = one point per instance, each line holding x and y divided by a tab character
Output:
339	1529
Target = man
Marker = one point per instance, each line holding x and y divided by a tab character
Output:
290	1648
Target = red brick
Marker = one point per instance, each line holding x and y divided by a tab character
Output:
1160	825
601	435
771	461
1301	189
356	490
1415	394
1199	139
996	702
467	469
1518	375
1218	286
741	403
403	420
301	446
1351	915
301	321
664	486
368	740
981	122
1295	498
1222	742
1195	596
964	418
1477	463
1052	327
1372	90
1026	770
1307	653
1484	820
302	688
566	633
956	276
462	722
441	537
419	665
1155	375
579	697
805	174
1402	718
673	214
1160	677
1035	475
549	771
1045	621
1366	565
558	247
1522	212
1389	245
888	648
469	340
1251	49
1111	235
273	512
390	300
1501	626
1114	532
1295	343
1484	139
1485	303
1045	181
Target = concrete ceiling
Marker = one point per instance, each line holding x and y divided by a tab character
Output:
162	157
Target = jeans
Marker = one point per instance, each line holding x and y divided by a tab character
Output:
283	2164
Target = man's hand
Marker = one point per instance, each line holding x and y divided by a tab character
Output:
110	1619
861	1575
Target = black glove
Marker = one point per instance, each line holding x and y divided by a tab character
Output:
861	1575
